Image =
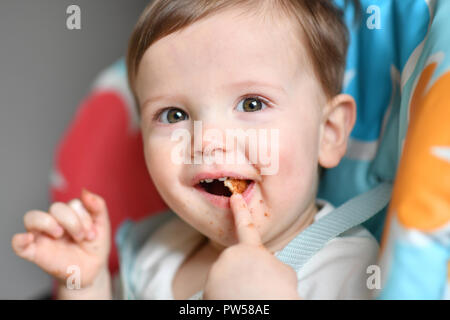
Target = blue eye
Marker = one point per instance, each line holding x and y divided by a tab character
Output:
172	115
251	104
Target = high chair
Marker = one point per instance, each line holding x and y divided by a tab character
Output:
394	178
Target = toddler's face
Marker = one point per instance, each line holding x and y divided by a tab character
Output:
229	72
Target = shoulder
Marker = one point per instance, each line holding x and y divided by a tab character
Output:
130	238
339	269
136	232
148	251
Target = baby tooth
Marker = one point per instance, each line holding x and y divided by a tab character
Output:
222	179
209	180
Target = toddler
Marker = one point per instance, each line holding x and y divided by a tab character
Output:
200	70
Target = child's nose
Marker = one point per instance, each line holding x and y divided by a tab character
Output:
219	143
209	139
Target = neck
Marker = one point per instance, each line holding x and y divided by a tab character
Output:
287	235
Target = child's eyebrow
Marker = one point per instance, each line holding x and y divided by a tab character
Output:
163	97
253	83
230	86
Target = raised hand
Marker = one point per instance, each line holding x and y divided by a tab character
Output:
74	234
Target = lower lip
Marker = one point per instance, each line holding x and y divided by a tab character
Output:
224	202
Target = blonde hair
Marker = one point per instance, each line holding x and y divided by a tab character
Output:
320	21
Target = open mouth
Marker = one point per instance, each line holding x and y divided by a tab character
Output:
224	186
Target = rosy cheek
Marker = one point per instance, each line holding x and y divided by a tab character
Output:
292	161
157	156
294	178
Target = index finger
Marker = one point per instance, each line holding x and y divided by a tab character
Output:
243	221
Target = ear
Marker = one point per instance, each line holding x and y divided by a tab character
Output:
339	116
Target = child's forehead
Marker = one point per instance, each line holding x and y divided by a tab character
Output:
227	45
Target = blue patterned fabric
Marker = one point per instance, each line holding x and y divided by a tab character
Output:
376	61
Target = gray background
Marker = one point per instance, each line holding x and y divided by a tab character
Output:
45	72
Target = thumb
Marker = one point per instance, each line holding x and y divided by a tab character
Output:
96	205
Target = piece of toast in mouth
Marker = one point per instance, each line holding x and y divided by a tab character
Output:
236	185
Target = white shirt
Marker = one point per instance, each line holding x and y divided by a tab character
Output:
337	271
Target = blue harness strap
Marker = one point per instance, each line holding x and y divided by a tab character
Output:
350	214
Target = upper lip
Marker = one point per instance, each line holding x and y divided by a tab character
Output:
219	174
